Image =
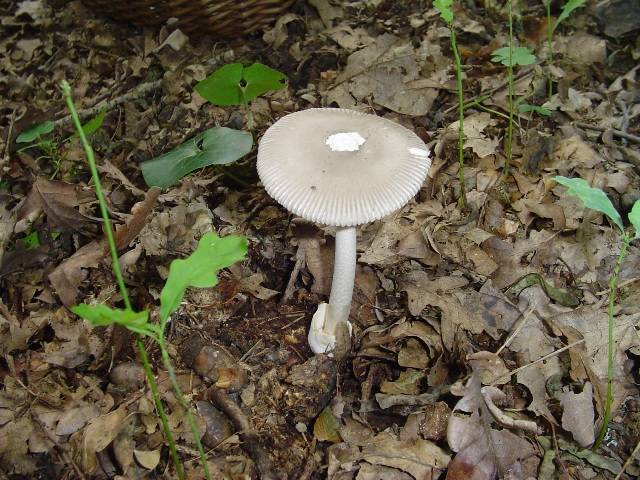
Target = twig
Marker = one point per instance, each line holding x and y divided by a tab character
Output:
541	359
628	462
291	285
488	94
506	420
617	133
140	90
249	436
519	325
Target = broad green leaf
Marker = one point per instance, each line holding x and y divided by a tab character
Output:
235	84
222	87
520	56
527	108
444	9
593	198
200	269
216	146
634	218
101	315
35	132
261	79
567	9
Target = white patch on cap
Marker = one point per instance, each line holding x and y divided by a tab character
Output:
419	152
345	141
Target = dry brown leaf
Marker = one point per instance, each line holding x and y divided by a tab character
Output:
387	71
578	415
253	286
420	458
481	450
475	139
149	459
535	381
14	449
67	277
490	367
60	202
96	437
73	419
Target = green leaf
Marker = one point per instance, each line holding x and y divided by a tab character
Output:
200	269
634	218
222	87
593	198
261	79
567	9
235	84
101	315
35	132
31	241
521	56
527	108
444	9
216	146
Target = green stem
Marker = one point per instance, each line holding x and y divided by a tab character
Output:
549	49
115	265
510	79
166	361
454	48
158	402
613	287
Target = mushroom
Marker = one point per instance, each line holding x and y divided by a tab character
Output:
341	168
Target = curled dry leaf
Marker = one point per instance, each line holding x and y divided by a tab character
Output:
60	202
149	459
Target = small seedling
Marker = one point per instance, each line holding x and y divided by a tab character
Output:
446	13
596	199
216	146
235	84
567	9
511	57
528	108
41	136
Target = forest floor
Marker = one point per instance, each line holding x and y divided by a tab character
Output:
480	334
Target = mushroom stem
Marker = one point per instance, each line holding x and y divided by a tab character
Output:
344	272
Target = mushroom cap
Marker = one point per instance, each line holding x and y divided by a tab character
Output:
341	167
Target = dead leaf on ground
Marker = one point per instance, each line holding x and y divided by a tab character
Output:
578	415
67	277
60	202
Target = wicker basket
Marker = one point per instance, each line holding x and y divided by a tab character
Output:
219	18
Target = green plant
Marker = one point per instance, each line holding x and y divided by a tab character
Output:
216	146
198	270
235	84
444	8
567	9
596	199
41	136
511	57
